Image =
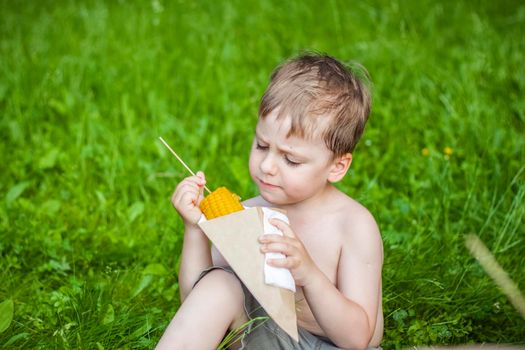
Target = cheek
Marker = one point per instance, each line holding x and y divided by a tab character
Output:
253	163
303	180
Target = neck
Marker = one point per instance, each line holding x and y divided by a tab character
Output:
310	206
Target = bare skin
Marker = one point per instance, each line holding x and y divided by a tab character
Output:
332	246
316	244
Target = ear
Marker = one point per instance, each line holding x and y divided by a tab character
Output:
339	168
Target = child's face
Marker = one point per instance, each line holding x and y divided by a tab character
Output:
290	169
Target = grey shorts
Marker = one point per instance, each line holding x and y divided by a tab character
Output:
266	334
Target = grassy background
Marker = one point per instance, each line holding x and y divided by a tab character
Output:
89	243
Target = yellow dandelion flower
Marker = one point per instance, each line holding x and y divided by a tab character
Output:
425	152
448	151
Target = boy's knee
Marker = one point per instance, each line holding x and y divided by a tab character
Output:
223	283
227	290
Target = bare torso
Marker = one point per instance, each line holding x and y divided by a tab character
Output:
313	232
313	235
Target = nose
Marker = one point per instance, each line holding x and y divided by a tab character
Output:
267	165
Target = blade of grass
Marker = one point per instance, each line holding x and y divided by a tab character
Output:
478	249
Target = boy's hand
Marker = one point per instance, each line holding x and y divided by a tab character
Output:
297	260
187	197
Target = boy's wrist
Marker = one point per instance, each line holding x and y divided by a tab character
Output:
192	223
190	228
315	280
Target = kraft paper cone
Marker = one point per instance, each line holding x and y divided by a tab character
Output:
235	236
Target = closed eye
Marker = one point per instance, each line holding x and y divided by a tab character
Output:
291	162
261	147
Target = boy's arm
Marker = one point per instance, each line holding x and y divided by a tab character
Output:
196	254
195	258
348	313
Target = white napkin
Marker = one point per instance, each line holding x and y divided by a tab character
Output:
276	276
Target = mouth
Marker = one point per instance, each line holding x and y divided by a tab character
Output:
267	185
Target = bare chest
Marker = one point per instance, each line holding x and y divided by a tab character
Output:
323	246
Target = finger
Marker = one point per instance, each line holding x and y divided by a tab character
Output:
197	180
191	187
201	175
270	237
200	196
275	238
184	188
283	226
287	263
282	248
192	180
188	186
187	194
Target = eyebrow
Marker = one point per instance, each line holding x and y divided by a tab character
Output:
282	150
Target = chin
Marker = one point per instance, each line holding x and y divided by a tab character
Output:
274	199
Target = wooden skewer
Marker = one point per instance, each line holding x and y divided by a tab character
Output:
180	160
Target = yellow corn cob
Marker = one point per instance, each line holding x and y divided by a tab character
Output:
220	202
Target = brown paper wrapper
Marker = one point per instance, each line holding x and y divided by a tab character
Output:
235	237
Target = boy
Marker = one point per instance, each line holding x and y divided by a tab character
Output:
310	119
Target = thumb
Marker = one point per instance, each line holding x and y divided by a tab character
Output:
201	175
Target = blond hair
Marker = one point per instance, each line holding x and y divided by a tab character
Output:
320	95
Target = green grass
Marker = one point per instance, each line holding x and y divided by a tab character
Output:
89	242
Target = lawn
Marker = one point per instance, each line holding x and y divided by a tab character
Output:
89	242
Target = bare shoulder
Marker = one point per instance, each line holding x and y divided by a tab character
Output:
359	230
